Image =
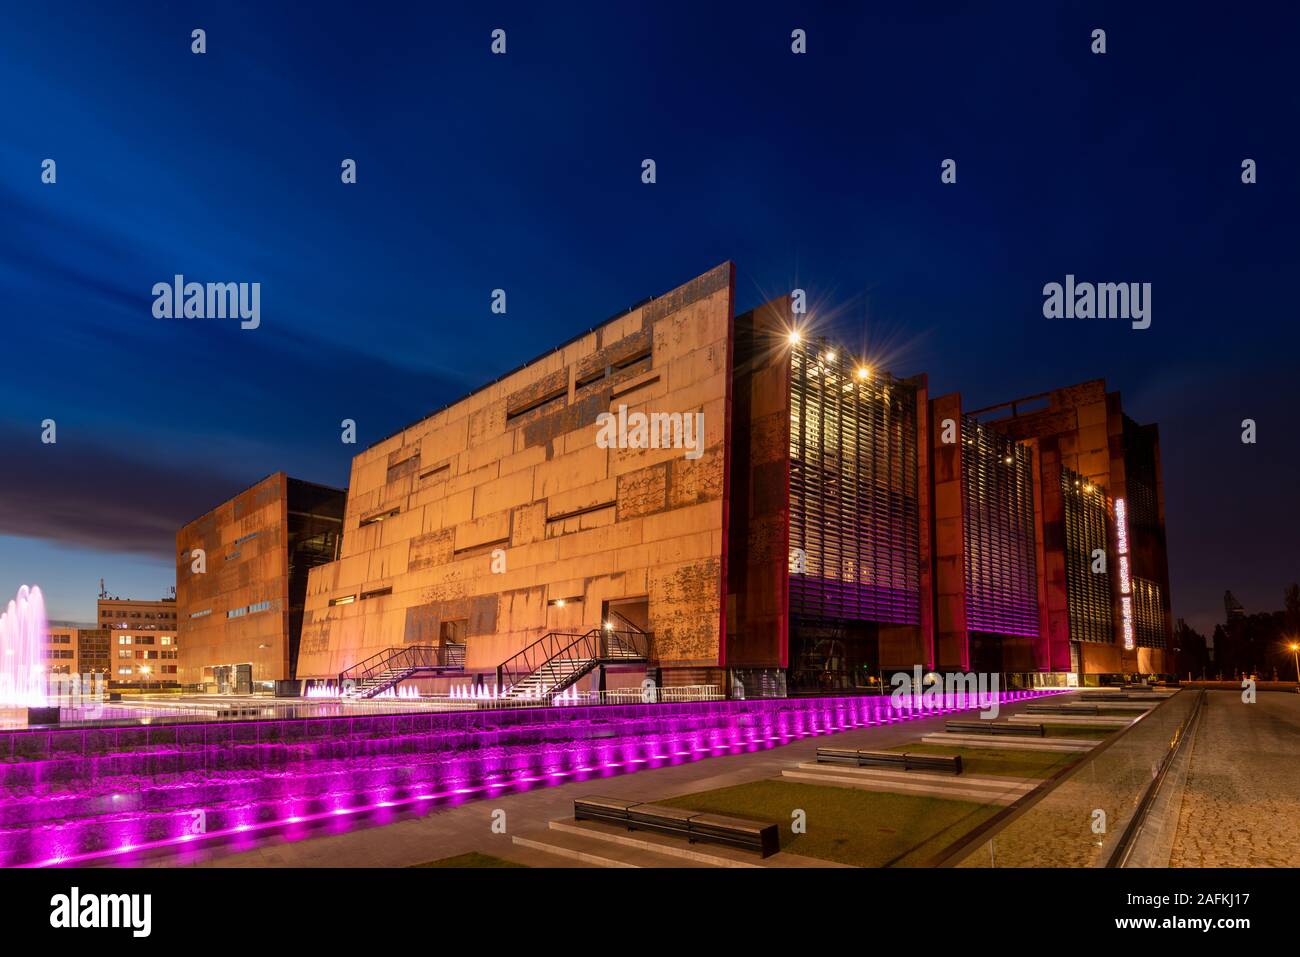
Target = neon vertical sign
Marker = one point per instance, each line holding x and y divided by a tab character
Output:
1125	583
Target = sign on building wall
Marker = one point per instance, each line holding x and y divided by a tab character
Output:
1125	582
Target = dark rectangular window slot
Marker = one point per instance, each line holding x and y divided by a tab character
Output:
632	388
473	550
591	378
377	593
373	519
438	471
619	366
534	406
580	511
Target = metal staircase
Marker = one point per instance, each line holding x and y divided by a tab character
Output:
557	660
391	666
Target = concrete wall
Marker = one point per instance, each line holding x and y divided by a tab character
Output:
515	469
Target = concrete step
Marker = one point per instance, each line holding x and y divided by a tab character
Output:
1121	706
1010	742
582	850
953	791
1072	720
679	849
923	777
534	857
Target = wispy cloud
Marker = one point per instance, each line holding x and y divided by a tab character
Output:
102	498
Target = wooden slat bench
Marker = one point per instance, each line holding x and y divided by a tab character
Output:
681	822
902	760
993	727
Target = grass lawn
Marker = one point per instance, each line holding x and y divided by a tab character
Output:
472	859
848	826
998	762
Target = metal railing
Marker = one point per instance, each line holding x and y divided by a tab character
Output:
1119	854
408	658
595	646
1053	825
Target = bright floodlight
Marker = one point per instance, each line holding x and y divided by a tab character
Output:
863	372
794	337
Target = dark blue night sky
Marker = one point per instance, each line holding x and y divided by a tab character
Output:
523	172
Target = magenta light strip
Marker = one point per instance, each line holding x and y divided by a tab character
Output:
464	758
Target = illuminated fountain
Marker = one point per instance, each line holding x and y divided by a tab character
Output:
22	651
72	798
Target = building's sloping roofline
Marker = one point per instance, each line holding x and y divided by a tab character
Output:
535	359
331	488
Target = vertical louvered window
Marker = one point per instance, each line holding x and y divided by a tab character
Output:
854	525
1088	593
1148	615
998	516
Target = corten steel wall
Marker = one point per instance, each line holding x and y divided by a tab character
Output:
515	466
1081	428
237	576
759	491
986	545
951	636
1144	486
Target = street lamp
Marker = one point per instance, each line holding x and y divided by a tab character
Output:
1294	648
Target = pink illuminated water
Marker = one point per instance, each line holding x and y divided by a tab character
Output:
77	795
22	651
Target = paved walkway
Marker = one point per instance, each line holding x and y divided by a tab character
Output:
449	831
1241	806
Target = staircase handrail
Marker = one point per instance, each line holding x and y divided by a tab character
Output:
399	659
594	645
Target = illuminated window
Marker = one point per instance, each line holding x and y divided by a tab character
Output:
854	477
1088	594
998	517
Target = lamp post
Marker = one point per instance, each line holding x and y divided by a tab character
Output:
1295	653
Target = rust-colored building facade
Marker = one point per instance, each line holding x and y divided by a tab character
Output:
789	552
241	577
790	520
1104	598
505	517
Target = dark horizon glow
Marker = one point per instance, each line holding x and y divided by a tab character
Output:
522	172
